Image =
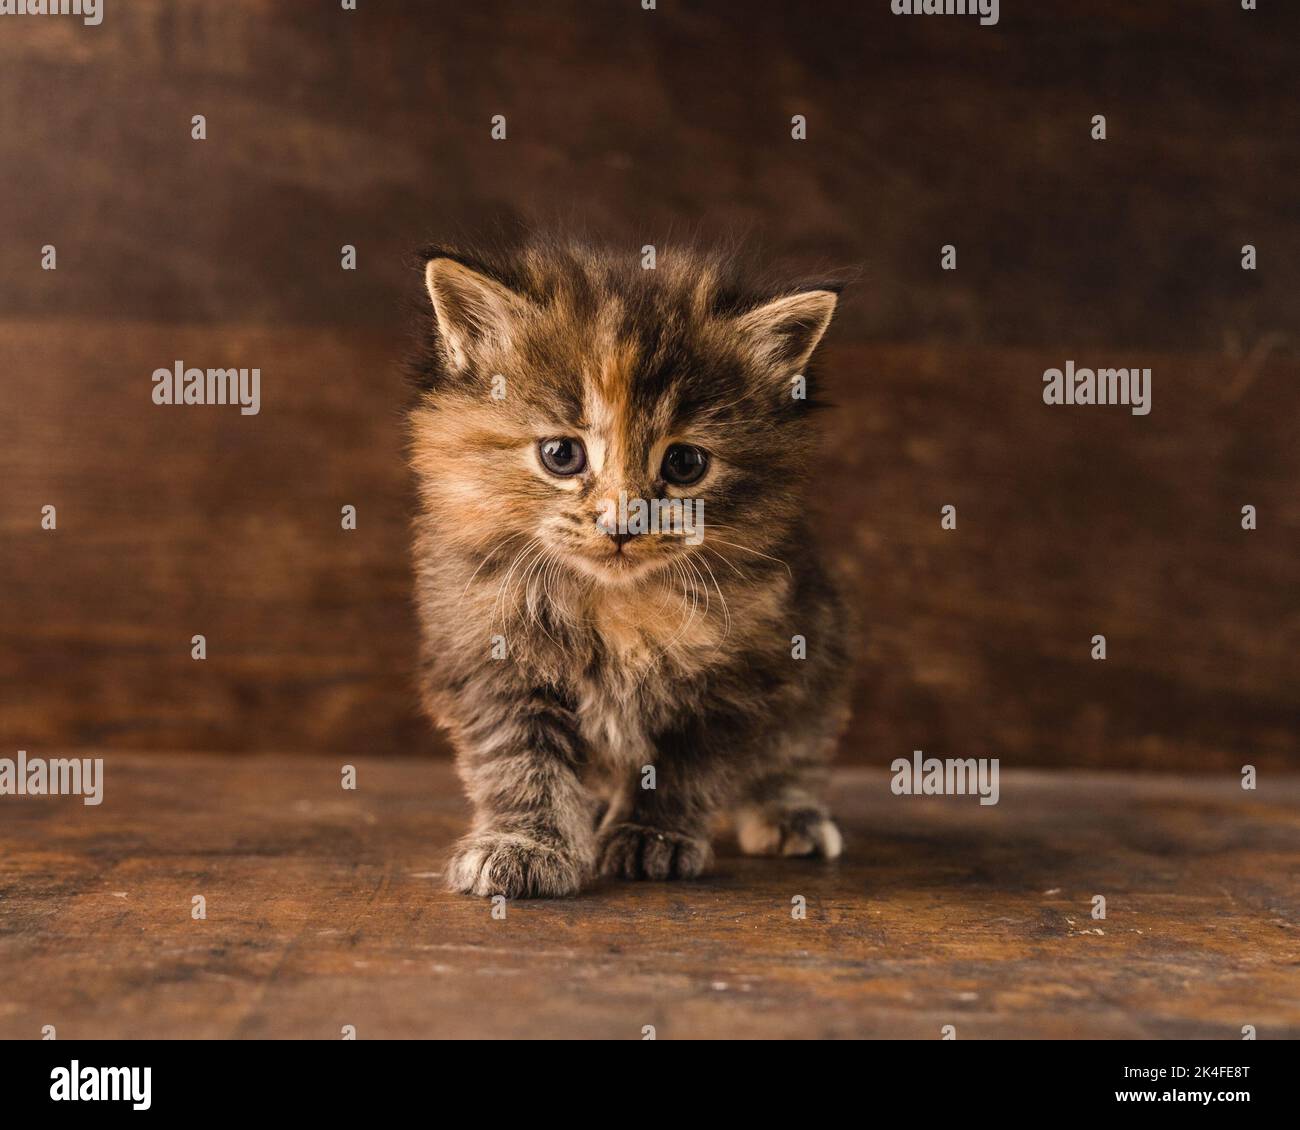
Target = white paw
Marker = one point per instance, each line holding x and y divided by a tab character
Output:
516	866
799	832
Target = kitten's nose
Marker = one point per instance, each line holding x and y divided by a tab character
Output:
612	532
612	520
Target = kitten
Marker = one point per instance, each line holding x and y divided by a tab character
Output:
610	692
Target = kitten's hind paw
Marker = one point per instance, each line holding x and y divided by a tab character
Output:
636	851
517	866
803	831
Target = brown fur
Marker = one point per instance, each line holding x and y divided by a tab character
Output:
621	656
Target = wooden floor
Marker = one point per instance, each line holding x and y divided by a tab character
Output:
324	909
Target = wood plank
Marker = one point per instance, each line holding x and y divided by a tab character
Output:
324	909
1071	521
371	128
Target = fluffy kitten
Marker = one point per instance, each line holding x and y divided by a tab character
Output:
566	657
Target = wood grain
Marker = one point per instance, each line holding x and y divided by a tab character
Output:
324	909
372	128
1071	521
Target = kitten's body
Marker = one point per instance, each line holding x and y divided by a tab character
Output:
563	661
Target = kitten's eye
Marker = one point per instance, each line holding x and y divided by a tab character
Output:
684	464
562	456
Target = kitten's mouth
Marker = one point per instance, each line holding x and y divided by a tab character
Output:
620	565
621	561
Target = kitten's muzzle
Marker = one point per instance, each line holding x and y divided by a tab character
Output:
609	528
620	540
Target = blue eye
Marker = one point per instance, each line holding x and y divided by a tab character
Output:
562	456
684	464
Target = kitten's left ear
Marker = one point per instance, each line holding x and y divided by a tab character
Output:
784	332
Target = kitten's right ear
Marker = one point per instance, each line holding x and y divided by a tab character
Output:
472	309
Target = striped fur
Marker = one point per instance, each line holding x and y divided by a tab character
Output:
663	654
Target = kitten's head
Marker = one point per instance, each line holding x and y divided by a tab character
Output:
562	380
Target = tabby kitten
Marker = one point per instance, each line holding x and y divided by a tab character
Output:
611	692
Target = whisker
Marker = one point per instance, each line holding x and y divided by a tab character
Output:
724	558
756	553
501	588
490	552
726	610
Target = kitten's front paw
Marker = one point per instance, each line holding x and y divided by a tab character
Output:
802	831
517	866
635	851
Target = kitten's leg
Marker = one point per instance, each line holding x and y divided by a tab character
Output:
663	833
783	814
532	834
649	845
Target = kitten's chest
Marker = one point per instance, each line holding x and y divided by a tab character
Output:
614	729
641	673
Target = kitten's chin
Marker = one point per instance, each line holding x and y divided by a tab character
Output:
619	570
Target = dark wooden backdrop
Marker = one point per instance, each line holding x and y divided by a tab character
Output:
371	128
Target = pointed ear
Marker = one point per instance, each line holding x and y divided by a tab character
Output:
784	332
472	310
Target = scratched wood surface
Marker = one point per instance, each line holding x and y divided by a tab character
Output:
174	521
324	910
